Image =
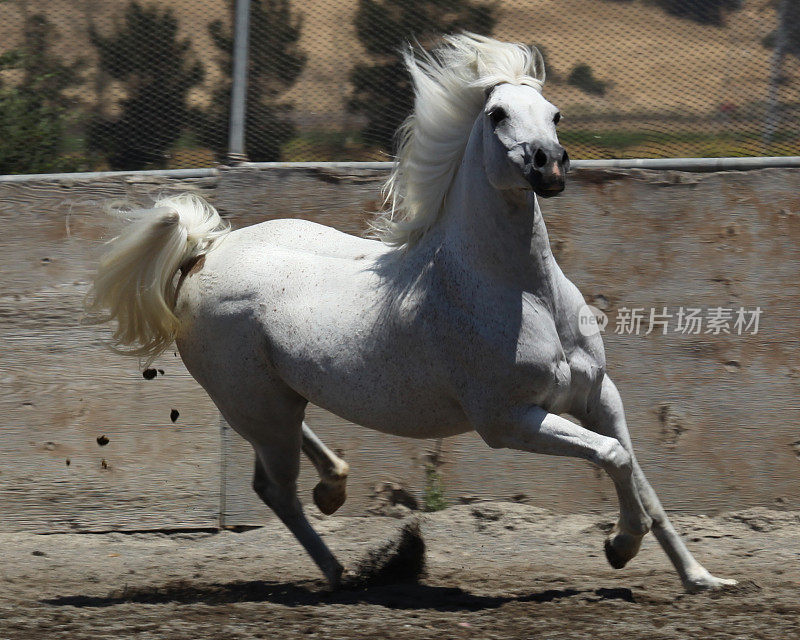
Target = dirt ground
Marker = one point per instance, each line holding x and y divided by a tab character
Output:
494	570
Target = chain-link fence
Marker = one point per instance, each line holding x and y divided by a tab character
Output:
91	84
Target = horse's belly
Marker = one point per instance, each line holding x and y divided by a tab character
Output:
410	417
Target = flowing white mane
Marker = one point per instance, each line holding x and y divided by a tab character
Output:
450	86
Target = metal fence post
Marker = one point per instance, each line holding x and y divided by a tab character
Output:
772	118
224	444
241	39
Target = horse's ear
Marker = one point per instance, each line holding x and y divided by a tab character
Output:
538	64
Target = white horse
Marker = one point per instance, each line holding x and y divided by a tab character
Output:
460	319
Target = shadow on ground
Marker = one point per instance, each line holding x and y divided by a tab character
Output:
401	596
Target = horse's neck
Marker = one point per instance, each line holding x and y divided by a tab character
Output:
499	234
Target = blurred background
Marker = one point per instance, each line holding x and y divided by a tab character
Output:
91	85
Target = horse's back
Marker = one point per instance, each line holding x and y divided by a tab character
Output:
281	274
305	236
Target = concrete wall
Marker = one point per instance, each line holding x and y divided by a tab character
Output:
714	417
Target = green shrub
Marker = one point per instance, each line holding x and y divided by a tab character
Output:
433	499
35	114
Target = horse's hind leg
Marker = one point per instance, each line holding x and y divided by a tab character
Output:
275	482
262	409
331	491
608	418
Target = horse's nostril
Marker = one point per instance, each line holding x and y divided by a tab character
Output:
565	158
540	159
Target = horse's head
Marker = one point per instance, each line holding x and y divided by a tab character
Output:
521	148
478	96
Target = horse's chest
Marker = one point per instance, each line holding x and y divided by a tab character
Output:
512	349
543	378
555	371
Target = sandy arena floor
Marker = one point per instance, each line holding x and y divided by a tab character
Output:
494	570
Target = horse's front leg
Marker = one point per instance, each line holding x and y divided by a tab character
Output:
534	429
607	417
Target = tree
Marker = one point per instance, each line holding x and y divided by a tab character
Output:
274	63
583	77
157	70
783	41
35	113
382	90
702	11
786	37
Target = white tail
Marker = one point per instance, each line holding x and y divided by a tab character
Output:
135	281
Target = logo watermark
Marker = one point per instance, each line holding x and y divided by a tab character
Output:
683	320
591	320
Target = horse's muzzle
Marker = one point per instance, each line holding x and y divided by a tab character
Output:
546	171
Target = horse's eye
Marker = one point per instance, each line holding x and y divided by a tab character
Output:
497	115
557	118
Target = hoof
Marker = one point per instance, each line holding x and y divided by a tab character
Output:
621	548
614	559
335	575
328	497
706	582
